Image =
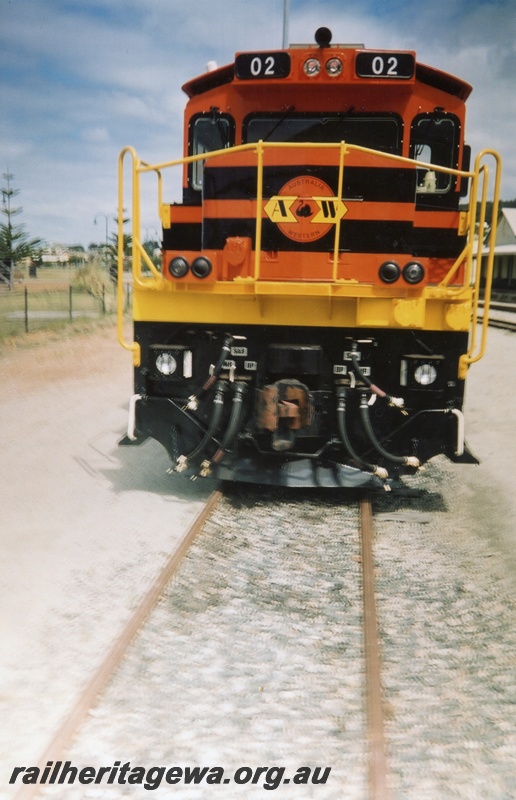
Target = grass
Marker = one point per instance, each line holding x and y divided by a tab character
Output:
51	301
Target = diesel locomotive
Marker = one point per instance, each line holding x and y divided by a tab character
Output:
315	311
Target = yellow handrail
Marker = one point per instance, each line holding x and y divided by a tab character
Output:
259	148
471	356
259	199
134	347
340	185
479	175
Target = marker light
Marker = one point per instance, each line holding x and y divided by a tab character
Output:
166	363
312	66
178	267
413	272
334	66
389	272
201	267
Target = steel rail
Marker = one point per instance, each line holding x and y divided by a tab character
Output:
373	694
502	322
504	325
62	738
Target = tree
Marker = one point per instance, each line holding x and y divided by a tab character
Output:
77	255
14	242
127	244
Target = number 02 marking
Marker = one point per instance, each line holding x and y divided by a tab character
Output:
380	68
258	66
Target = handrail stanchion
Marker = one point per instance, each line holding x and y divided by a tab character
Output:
134	347
342	153
470	357
259	202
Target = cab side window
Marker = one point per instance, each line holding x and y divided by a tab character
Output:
434	140
208	132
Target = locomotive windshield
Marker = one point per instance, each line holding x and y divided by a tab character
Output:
378	132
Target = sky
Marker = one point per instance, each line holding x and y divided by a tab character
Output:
81	79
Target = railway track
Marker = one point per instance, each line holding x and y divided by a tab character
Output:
263	649
503	324
502	315
354	531
60	742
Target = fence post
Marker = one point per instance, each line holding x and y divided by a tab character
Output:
70	290
26	293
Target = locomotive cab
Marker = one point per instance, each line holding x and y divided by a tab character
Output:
315	314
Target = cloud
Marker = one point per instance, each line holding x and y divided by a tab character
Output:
83	78
96	135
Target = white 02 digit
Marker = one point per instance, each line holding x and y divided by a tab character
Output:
269	66
393	66
258	67
377	65
379	68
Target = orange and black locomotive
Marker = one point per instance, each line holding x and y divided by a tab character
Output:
315	313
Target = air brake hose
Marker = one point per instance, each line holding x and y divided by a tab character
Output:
409	461
211	431
235	421
341	419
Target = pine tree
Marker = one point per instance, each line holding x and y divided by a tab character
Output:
15	244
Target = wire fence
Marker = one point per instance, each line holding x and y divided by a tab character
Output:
27	309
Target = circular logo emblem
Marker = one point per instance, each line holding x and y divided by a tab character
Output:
305	198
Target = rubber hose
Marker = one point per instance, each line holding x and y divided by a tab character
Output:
214	424
364	412
341	420
235	421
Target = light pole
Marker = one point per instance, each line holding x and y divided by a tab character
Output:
286	20
107	217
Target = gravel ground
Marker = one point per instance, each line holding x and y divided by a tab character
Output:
85	526
254	657
448	620
86	546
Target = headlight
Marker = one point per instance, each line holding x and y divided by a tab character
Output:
425	374
166	364
389	272
312	66
334	66
171	362
420	372
178	267
201	267
413	272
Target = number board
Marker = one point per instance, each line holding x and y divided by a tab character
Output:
385	65
256	66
